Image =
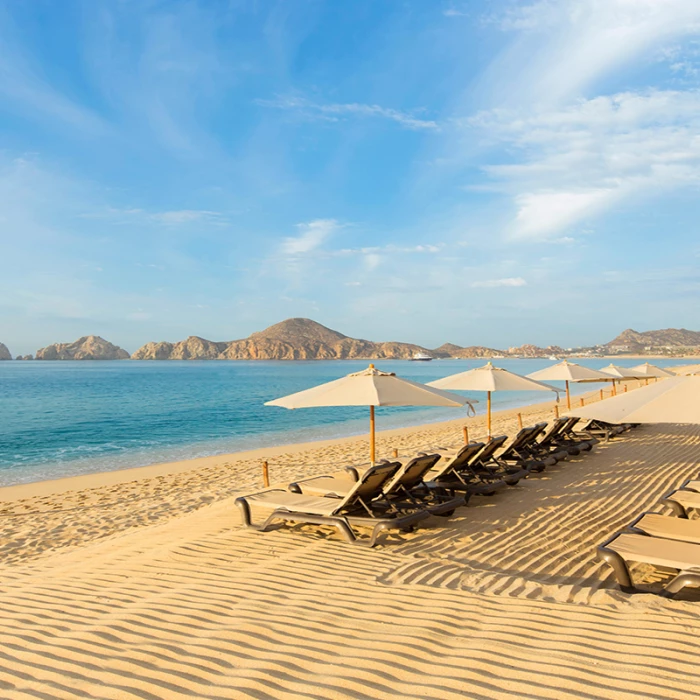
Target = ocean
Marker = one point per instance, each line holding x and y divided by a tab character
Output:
62	419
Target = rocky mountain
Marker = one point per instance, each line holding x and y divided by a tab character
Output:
633	341
469	352
293	339
24	357
89	347
4	352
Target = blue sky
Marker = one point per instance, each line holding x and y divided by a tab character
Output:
478	172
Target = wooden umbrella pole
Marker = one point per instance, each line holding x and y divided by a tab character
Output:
488	414
614	391
372	450
568	396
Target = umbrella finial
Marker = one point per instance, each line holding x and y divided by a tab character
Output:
371	365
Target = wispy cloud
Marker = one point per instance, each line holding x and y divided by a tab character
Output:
311	236
565	47
335	112
177	217
504	282
577	162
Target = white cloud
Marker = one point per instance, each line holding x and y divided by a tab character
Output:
566	46
333	112
504	282
311	236
185	216
574	163
546	213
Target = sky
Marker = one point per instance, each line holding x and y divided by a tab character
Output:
481	172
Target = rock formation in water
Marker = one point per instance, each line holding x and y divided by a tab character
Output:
90	347
4	352
24	357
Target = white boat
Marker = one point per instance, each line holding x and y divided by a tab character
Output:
421	357
552	357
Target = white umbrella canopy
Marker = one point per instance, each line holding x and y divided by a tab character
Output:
676	400
489	378
569	372
647	371
686	369
618	372
370	387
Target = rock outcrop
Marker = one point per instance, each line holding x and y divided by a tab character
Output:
4	352
89	347
24	357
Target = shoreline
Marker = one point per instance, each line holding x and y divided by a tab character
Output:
60	485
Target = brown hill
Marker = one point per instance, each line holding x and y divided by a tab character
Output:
633	341
4	352
89	347
293	339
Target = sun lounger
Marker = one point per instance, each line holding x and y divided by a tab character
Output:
598	428
522	451
486	463
456	474
355	509
406	486
625	547
568	434
681	501
548	444
667	527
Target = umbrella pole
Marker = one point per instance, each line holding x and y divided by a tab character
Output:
568	396
488	414
372	453
614	391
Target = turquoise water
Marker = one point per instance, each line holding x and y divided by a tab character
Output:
67	418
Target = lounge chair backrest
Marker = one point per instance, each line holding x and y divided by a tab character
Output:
461	460
521	440
412	473
370	484
491	448
555	430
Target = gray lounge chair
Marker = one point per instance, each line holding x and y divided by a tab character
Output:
407	486
456	474
356	509
624	547
486	463
680	501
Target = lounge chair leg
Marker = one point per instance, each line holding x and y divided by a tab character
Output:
678	509
619	567
244	509
378	530
677	584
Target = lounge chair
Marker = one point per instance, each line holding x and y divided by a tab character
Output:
599	428
568	434
680	501
549	445
355	509
523	452
486	463
456	474
407	486
666	526
624	547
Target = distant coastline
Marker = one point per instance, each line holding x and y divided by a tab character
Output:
304	339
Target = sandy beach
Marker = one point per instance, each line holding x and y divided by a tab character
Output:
143	584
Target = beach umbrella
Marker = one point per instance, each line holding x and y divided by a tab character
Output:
620	374
675	400
370	387
648	371
489	378
569	372
686	369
